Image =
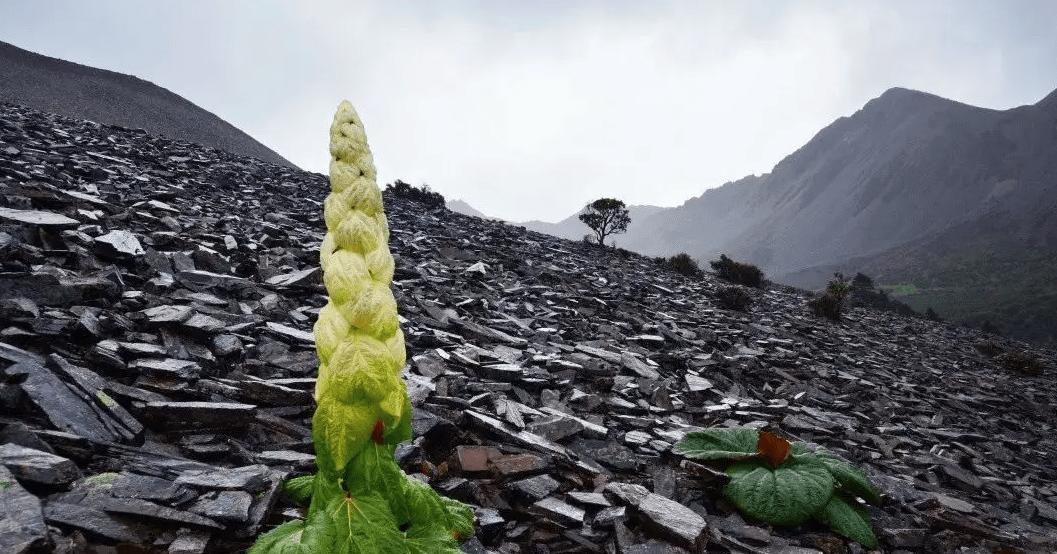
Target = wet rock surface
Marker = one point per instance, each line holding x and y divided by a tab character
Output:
157	366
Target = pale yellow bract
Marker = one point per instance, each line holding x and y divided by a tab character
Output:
358	337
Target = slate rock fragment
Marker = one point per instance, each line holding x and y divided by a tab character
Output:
22	527
35	466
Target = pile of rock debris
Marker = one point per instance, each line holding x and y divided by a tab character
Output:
156	374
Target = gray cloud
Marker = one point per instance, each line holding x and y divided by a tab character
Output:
529	110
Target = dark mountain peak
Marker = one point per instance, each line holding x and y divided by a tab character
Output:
83	92
904	100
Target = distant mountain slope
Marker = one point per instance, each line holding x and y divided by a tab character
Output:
907	165
956	200
462	207
84	92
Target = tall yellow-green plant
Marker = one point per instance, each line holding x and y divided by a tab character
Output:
360	502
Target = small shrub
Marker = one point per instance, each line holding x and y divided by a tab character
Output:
683	264
989	348
931	315
1021	362
839	287
826	306
423	194
831	304
785	483
734	298
864	293
990	328
737	272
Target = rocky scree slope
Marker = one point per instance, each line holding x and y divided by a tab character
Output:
156	305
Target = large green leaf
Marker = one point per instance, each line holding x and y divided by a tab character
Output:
851	480
430	539
848	520
374	470
315	535
460	517
719	444
424	505
787	496
363	525
299	489
285	538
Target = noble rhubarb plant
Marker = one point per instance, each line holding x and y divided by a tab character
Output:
360	501
785	484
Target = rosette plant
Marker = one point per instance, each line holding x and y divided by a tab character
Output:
360	501
785	484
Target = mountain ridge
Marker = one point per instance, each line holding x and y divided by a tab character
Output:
906	166
85	92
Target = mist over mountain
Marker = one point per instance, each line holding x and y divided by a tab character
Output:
956	203
84	92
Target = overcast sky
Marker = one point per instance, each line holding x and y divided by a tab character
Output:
528	110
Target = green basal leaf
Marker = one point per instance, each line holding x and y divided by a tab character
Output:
719	444
320	534
363	524
786	496
460	517
375	471
284	539
299	489
315	535
324	491
424	505
851	479
430	539
850	521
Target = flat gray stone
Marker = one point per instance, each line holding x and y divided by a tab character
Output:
167	314
291	333
225	415
638	366
22	527
250	478
559	511
286	457
168	367
36	466
668	518
119	242
38	218
231	506
304	278
536	487
93	521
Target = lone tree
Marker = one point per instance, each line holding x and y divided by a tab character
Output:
606	216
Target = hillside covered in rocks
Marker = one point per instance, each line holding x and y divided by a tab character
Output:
156	360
